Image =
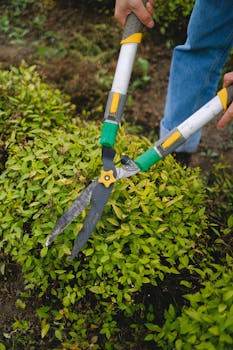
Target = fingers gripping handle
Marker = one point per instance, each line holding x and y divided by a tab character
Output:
117	97
229	95
226	96
132	26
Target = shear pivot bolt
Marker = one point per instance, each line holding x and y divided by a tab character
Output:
107	178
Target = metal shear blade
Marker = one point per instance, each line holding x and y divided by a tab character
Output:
97	193
78	205
99	200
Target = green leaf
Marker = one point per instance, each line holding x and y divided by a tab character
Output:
174	200
149	337
178	344
230	221
20	304
222	308
88	252
43	252
113	221
42	312
228	295
58	334
214	330
44	329
66	301
186	284
2	346
193	314
153	327
184	260
226	338
97	289
119	213
66	250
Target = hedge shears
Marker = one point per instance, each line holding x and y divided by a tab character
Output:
99	190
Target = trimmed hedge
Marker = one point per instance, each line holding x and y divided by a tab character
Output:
208	322
153	229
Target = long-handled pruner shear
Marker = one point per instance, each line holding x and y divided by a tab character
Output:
98	192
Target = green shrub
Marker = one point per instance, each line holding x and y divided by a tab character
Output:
172	16
220	209
220	194
153	226
27	105
208	322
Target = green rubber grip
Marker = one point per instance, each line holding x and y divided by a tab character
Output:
109	133
147	159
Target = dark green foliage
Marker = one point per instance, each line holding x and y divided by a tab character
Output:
220	211
220	183
172	16
208	322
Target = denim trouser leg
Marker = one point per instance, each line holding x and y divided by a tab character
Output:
196	66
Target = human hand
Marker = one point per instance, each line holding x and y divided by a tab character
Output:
228	115
144	12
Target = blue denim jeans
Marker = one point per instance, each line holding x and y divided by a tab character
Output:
197	65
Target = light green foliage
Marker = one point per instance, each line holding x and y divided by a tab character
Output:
208	322
150	234
142	65
27	105
153	226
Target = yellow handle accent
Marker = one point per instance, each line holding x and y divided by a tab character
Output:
222	94
107	178
134	38
115	102
172	139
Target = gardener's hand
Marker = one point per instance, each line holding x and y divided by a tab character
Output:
228	115
144	12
